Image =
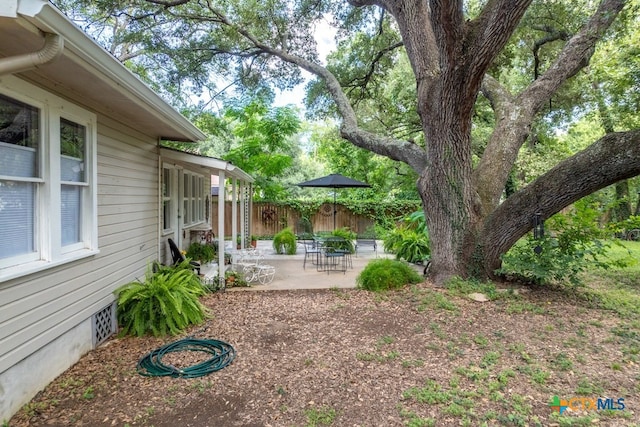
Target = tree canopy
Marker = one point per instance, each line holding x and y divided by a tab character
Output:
453	89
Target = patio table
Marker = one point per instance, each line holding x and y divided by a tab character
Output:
332	257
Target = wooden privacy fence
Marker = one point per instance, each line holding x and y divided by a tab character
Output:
267	219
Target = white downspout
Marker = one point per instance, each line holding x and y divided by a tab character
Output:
53	47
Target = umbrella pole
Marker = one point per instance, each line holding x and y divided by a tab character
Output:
334	209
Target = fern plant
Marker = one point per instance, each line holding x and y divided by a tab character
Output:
284	242
166	302
385	274
408	244
348	236
201	252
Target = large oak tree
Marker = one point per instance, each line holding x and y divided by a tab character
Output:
451	53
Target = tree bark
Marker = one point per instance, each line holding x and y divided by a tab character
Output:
516	114
614	157
450	57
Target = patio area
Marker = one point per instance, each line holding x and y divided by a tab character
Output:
289	273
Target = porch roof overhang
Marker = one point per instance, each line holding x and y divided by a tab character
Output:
211	164
86	73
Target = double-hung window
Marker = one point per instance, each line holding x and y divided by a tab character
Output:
193	198
20	178
47	180
168	196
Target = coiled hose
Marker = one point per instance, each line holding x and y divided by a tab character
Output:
222	354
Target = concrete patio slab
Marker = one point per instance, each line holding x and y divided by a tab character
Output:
291	275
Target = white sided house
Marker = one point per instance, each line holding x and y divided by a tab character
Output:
88	198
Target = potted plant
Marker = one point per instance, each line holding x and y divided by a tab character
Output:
254	241
200	252
284	242
234	279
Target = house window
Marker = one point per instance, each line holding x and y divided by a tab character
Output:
186	197
20	178
201	213
47	180
167	202
193	198
73	138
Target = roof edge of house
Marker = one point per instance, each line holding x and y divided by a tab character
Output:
89	54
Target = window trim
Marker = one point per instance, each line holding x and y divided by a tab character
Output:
172	198
192	204
49	251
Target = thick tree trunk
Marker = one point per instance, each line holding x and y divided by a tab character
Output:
448	202
613	158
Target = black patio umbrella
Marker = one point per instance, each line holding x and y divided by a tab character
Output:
335	180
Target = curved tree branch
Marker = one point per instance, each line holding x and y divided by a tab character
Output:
499	97
364	80
513	126
614	157
552	35
486	36
395	149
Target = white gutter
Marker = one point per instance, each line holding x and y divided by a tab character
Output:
207	162
94	58
236	172
53	47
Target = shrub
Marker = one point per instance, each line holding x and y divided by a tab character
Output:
284	242
165	303
383	274
347	244
408	244
627	229
571	244
200	252
410	241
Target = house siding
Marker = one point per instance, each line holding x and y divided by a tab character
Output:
39	311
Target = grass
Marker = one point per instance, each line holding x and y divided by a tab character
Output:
615	291
322	416
487	376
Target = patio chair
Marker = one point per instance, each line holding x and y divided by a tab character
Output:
178	257
332	259
334	256
250	261
311	249
366	241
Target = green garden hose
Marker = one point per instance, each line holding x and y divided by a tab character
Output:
222	354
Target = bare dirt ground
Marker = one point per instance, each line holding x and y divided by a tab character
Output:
419	356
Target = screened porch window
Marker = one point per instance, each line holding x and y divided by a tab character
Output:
167	203
193	198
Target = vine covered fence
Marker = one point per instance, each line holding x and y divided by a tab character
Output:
268	218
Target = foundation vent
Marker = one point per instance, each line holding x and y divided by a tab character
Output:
104	324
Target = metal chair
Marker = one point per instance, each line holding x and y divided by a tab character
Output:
313	249
178	257
333	256
254	270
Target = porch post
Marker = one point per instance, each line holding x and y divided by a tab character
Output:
234	212
243	225
221	203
